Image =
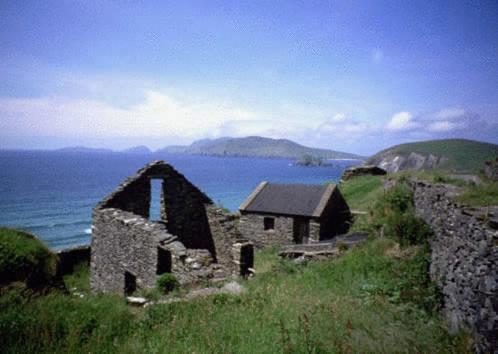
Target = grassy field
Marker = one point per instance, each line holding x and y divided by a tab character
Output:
362	192
463	155
375	298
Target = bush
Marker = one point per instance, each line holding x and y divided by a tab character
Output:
407	229
25	258
166	283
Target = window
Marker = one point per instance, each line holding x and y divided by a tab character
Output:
155	199
269	223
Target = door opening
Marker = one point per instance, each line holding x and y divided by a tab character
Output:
301	230
163	261
130	283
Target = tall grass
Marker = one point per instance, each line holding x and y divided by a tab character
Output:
365	301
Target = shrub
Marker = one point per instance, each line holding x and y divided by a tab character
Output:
399	198
25	258
407	229
166	283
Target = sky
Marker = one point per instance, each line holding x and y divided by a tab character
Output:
354	76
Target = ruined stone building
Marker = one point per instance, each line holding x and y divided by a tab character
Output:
276	214
193	239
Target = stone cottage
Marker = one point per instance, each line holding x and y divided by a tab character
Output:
193	239
276	214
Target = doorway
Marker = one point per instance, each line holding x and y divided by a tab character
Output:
163	261
130	283
301	230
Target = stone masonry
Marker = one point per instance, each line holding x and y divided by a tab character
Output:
464	262
194	239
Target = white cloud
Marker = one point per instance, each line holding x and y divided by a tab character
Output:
377	55
157	115
443	126
401	121
449	113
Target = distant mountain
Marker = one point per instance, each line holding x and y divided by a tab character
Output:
256	146
141	149
84	149
456	155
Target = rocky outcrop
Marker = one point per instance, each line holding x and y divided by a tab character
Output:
464	261
394	162
363	170
491	169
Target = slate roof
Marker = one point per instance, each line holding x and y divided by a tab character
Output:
288	199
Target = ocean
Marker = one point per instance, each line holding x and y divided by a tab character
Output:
51	194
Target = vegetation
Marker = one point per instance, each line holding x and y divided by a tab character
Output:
24	258
485	194
365	301
461	155
362	192
166	283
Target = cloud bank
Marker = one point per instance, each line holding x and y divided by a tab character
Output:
172	118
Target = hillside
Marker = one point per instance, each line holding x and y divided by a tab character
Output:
256	146
455	155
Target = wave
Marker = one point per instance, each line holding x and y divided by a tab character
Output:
88	231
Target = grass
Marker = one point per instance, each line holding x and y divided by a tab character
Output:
362	192
480	195
365	301
24	258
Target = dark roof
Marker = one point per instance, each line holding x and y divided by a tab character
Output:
289	199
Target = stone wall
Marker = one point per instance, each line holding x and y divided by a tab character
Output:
252	228
464	262
195	236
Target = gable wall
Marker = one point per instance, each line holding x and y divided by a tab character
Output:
336	217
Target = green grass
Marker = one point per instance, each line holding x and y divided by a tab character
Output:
483	194
365	301
24	258
480	195
78	280
362	192
462	155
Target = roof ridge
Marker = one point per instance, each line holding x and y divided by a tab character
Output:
324	200
253	195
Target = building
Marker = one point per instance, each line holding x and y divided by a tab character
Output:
276	214
193	238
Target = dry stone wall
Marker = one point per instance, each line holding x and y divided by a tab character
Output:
194	239
464	263
252	228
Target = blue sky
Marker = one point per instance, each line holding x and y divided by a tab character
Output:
347	75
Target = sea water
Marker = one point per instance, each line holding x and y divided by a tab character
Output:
51	194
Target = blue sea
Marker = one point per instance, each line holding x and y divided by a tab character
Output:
51	194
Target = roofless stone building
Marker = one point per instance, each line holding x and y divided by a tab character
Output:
193	240
276	214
